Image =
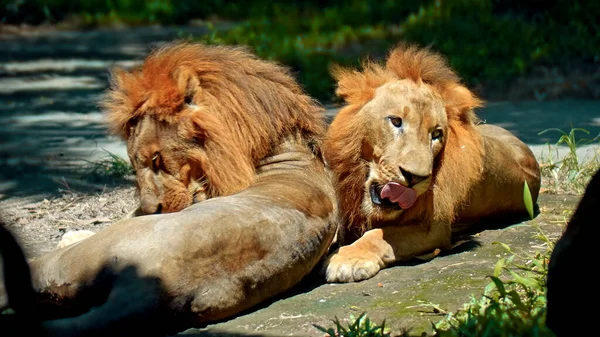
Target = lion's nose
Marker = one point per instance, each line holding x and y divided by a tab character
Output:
151	208
150	205
411	178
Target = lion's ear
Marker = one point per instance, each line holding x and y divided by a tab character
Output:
357	87
187	80
461	100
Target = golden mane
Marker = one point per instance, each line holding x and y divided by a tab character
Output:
453	175
245	107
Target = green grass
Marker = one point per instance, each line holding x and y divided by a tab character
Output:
112	167
360	326
309	53
483	42
513	303
569	173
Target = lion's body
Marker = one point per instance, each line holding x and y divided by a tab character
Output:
231	145
215	258
500	192
412	164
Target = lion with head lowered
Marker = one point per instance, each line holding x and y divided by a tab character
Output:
238	205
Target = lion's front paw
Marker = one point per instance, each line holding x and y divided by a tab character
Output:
349	264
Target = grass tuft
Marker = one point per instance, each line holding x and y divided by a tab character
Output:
113	167
513	303
357	327
569	173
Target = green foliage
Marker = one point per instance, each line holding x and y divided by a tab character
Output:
93	12
357	327
113	167
310	39
569	173
483	45
513	303
486	41
483	41
8	311
310	53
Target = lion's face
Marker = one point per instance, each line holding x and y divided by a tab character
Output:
404	132
167	180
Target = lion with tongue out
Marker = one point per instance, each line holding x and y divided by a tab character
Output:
413	163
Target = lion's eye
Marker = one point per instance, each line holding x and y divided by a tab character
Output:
155	161
396	121
187	100
437	134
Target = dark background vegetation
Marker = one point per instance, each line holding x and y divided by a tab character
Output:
490	43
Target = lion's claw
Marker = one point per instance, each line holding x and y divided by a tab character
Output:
351	265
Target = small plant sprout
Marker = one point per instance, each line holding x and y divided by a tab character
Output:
357	327
528	200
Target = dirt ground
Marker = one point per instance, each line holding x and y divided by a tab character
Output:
40	225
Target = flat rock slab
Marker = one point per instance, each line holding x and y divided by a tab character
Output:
406	296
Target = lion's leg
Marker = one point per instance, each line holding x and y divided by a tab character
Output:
213	259
381	247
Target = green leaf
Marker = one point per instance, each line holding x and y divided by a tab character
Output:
498	267
551	129
504	245
499	285
516	299
8	311
329	331
528	200
526	281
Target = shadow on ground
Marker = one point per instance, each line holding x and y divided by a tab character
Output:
50	86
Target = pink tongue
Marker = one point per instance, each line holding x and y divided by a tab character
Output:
399	194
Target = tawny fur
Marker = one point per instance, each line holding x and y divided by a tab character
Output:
453	175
